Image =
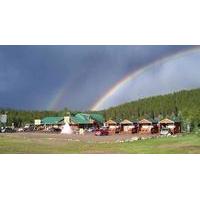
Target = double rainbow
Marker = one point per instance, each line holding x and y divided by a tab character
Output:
55	102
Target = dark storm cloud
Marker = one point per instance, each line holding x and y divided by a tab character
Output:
31	76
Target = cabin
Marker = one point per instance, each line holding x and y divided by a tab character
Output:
126	126
167	124
112	126
174	127
145	126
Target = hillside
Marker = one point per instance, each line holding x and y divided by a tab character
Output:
184	104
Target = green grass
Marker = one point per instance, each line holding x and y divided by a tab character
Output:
179	145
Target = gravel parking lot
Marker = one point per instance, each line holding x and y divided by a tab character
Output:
88	137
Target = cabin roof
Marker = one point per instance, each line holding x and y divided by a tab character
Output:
166	121
126	121
144	121
111	122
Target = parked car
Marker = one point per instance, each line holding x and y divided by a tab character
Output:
20	130
28	128
102	131
92	129
165	131
7	130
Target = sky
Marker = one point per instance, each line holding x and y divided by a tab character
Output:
76	77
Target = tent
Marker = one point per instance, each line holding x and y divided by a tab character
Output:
66	129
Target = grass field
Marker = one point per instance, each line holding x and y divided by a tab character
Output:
168	145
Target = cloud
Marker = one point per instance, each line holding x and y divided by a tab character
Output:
8	77
174	75
32	76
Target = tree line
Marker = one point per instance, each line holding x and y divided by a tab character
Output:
184	105
22	117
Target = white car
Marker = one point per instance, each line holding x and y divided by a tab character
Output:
165	131
20	130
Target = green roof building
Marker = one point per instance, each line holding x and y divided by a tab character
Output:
81	119
98	118
52	120
87	120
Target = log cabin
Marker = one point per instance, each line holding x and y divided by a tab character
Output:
145	126
112	126
126	126
174	126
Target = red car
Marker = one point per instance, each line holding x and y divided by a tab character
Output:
102	131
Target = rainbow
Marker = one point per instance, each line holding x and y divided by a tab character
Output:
56	101
133	75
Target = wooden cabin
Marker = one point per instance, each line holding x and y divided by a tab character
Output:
126	126
173	126
145	126
112	126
